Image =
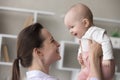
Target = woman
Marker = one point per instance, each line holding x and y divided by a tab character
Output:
37	50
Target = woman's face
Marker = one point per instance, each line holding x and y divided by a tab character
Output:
50	48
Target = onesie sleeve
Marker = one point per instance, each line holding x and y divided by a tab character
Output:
52	78
107	47
101	37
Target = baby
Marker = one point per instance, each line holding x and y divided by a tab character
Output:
79	20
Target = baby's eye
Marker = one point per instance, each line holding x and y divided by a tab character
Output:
72	26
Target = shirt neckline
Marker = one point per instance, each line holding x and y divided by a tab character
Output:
88	32
35	73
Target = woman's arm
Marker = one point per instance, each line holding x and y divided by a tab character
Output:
94	56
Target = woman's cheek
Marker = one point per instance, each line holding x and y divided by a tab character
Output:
50	59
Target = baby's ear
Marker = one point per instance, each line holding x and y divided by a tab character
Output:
86	22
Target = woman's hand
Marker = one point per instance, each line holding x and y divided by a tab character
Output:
95	49
80	60
94	57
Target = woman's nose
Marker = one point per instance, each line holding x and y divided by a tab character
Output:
58	44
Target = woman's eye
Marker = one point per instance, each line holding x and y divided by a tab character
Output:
52	40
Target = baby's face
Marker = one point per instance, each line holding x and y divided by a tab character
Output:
76	26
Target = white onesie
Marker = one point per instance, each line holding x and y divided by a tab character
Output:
99	35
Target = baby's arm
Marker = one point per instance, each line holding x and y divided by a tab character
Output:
106	63
107	51
107	55
107	47
101	37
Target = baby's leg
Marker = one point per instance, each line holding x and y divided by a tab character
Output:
108	72
83	75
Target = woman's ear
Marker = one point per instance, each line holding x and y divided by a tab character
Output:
86	22
37	52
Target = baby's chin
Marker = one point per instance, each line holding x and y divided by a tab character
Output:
80	36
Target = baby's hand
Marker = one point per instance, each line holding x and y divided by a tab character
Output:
80	60
106	63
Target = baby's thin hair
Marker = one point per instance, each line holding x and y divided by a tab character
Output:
88	13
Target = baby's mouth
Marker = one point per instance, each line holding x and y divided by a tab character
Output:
75	34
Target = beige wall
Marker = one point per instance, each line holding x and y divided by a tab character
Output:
101	8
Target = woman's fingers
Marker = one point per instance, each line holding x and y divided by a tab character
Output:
95	48
89	41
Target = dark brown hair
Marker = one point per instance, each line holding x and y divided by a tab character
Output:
28	39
